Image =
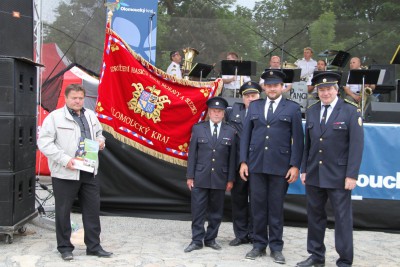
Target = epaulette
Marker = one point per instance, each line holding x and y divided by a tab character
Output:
200	122
292	101
351	102
227	124
313	104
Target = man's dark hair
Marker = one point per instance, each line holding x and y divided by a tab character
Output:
74	87
172	54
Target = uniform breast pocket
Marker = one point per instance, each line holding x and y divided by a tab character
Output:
339	127
202	140
226	142
254	117
285	118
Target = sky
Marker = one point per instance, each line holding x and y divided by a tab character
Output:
247	3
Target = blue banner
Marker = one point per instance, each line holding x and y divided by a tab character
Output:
136	22
379	176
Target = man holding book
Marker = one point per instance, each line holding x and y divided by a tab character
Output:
60	137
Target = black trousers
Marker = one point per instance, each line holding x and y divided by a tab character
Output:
267	199
317	220
87	190
241	211
206	203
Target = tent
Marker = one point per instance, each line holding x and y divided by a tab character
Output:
58	73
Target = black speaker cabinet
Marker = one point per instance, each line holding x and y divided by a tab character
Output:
16	30
17	196
17	143
17	87
389	80
383	112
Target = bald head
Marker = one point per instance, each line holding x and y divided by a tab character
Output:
355	63
275	62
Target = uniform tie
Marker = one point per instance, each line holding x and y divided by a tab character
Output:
323	119
270	110
214	136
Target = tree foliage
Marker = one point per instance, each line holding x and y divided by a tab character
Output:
368	29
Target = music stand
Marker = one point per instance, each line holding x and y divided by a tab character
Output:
200	70
238	68
292	75
363	77
396	56
341	59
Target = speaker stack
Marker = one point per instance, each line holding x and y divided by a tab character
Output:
18	92
388	112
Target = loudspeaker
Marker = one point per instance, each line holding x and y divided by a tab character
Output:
17	196
398	91
17	143
16	31
383	112
390	75
17	87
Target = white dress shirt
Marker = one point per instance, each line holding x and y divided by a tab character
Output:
274	105
330	109
212	128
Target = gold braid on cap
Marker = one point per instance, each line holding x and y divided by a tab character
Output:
250	89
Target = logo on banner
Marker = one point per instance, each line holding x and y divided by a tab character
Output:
148	102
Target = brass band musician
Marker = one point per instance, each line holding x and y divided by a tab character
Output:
353	92
174	68
307	65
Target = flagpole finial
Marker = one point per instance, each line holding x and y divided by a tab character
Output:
111	7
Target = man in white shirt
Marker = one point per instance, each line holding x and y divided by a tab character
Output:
175	68
307	65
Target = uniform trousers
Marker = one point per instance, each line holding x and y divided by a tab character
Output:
87	190
241	209
267	199
206	203
317	220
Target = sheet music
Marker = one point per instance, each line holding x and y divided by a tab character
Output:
381	77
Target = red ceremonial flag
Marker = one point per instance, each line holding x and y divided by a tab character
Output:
146	108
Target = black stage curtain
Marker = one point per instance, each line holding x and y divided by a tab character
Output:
136	184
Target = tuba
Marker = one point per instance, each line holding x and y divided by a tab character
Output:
189	55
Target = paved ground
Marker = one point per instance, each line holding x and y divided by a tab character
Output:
150	243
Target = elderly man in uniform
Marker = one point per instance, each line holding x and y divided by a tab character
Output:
210	172
331	160
271	148
175	68
241	214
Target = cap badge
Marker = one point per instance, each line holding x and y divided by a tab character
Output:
324	80
271	73
249	83
217	103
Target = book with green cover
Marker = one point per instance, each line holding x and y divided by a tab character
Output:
87	155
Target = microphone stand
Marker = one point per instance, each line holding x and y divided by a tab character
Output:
283	44
150	33
290	38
